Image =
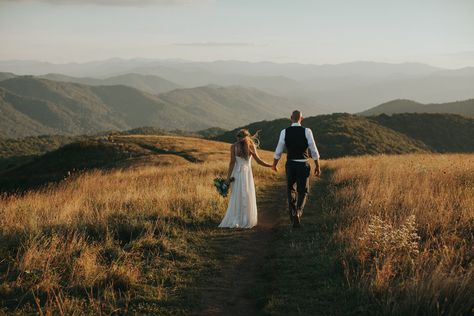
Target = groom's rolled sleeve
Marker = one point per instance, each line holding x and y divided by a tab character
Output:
280	146
312	144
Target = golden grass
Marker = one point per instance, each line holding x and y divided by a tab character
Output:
105	242
195	148
407	226
129	240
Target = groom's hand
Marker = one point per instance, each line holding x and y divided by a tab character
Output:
317	172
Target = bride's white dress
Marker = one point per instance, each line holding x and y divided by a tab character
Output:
242	208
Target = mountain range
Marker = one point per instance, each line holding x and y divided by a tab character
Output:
295	71
34	106
348	87
147	83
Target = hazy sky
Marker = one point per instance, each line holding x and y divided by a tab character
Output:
439	32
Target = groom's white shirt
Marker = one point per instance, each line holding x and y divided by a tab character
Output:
311	144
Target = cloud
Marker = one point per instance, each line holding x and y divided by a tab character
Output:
215	44
114	2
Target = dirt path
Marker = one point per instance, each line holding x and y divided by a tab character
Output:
241	254
280	270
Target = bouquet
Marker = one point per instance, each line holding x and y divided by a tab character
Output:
221	186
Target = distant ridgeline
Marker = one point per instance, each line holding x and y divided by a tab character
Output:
343	134
465	108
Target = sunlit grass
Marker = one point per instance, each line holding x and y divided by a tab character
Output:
113	241
132	240
406	226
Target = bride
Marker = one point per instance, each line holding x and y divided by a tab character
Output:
242	208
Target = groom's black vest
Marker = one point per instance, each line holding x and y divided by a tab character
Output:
296	143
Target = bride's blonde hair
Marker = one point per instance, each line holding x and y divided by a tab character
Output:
245	140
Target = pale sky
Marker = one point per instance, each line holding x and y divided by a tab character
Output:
438	32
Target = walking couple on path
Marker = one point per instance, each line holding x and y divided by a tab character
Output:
300	145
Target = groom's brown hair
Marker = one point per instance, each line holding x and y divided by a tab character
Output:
296	115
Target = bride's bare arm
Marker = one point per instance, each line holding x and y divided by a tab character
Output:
231	163
254	153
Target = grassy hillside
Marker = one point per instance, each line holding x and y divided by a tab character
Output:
406	231
134	237
441	132
138	235
31	146
16	152
382	235
106	152
35	106
147	83
338	135
407	106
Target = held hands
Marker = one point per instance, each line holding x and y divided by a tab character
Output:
275	165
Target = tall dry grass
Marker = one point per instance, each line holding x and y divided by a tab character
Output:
109	242
407	229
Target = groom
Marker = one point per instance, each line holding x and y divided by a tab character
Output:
297	140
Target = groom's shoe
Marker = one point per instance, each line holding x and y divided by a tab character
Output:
297	221
292	214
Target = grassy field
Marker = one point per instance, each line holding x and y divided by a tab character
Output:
116	241
407	230
381	234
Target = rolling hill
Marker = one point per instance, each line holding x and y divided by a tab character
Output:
407	106
104	153
15	152
34	106
339	135
440	132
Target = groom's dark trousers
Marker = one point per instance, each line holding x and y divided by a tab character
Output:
297	176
